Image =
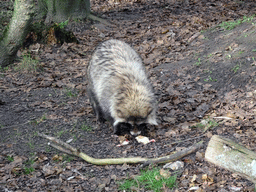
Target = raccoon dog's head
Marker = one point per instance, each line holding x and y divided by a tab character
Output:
136	109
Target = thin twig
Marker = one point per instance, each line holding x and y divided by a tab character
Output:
7	127
181	141
60	148
175	156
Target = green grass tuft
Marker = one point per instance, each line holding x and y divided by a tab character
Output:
236	68
70	93
206	124
86	128
10	158
210	79
198	63
149	180
28	64
229	25
28	170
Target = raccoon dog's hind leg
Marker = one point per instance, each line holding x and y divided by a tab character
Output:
95	106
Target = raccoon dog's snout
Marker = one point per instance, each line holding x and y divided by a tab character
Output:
118	88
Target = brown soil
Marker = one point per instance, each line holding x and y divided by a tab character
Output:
196	75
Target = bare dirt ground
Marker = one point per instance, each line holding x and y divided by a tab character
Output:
199	70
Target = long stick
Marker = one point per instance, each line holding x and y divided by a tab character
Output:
62	146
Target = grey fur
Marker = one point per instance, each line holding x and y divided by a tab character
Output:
119	89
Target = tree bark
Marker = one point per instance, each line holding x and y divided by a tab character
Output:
62	10
16	31
232	156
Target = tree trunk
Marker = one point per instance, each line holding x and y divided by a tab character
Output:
62	10
16	31
55	11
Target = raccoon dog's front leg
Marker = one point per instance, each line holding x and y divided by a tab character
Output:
95	105
117	129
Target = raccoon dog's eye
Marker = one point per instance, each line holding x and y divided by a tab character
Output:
119	113
142	125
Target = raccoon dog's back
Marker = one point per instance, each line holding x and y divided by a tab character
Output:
119	89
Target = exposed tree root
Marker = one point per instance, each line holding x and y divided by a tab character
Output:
64	147
103	21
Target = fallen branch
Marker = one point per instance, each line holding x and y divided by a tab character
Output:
12	126
64	147
232	156
175	156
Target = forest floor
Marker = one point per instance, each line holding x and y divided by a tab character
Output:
202	70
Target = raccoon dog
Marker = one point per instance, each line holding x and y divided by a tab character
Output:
119	89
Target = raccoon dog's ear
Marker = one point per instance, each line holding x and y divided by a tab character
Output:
150	109
152	120
151	117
